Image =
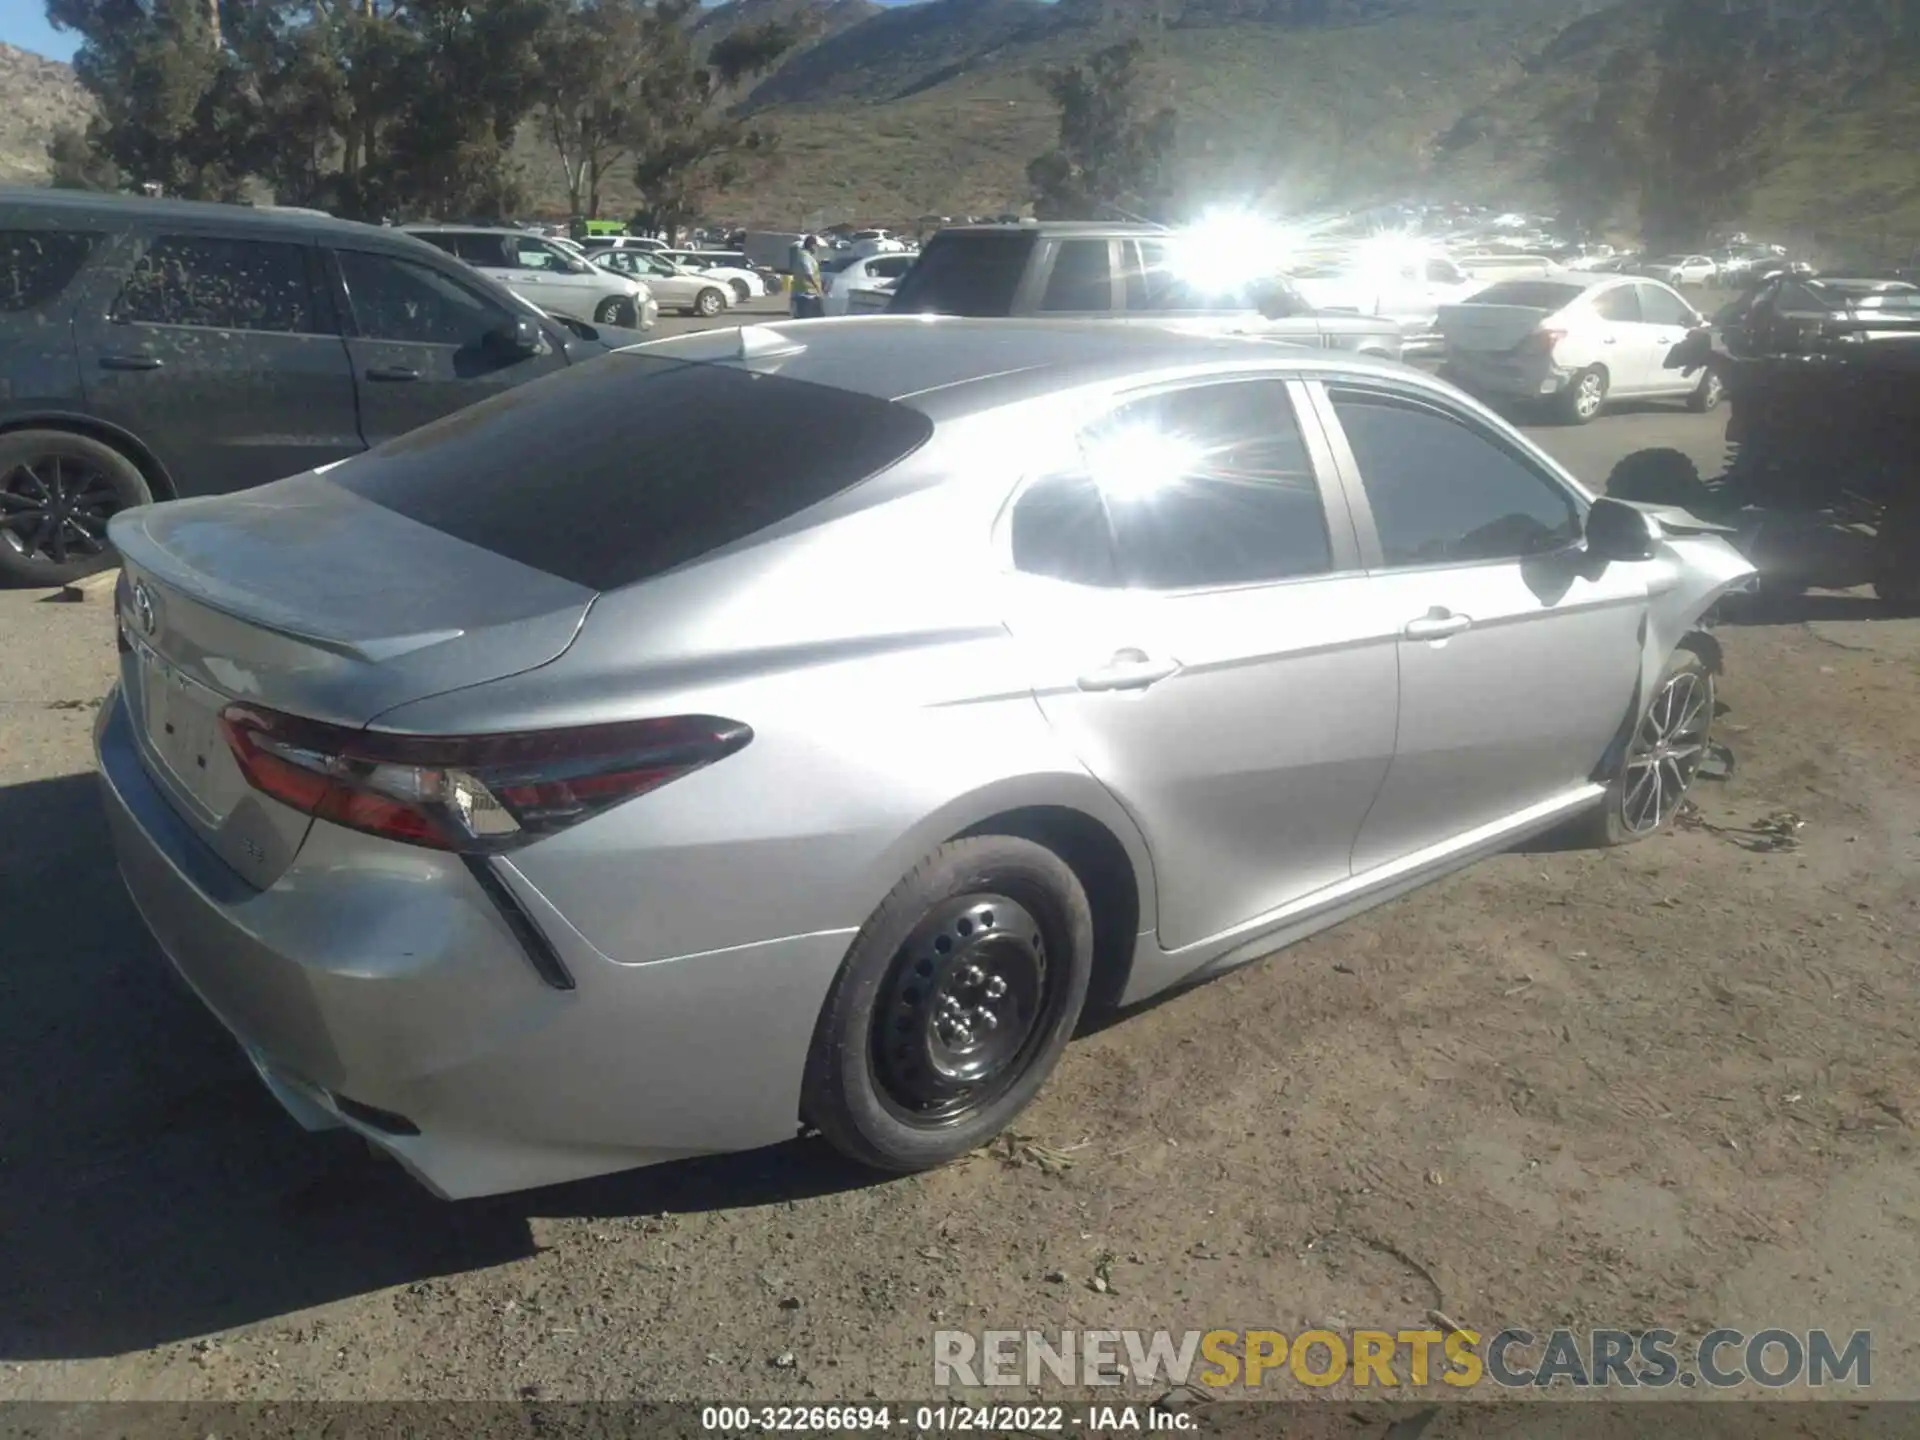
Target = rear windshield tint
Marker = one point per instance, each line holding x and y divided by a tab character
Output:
975	275
1533	294
630	465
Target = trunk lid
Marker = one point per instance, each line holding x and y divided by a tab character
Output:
303	597
1489	329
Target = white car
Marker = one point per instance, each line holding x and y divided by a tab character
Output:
745	282
1685	269
546	273
861	272
1391	281
624	242
1577	343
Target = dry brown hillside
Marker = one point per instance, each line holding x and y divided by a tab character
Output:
40	94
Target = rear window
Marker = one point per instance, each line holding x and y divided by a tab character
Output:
963	274
36	265
1532	294
618	470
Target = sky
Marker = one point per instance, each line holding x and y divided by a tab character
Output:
24	23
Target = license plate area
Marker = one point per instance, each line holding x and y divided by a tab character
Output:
183	730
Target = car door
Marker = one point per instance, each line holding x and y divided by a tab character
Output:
222	355
1667	320
1188	592
1519	657
424	341
553	279
1623	342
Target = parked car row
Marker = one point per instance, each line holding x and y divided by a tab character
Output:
157	349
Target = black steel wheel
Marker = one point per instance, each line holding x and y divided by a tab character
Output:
953	1005
742	292
57	492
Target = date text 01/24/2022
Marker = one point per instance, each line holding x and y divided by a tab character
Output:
938	1419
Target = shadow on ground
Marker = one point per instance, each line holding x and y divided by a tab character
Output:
150	1190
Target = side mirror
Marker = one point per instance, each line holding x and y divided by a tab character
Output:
1619	531
520	336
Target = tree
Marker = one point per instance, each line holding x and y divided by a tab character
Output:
1599	147
173	105
75	164
593	62
1112	156
688	139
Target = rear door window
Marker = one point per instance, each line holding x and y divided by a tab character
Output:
611	472
1620	304
36	265
1660	306
215	283
966	273
1081	279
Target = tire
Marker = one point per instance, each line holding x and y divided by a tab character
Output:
910	998
615	311
1708	394
1896	559
709	303
93	480
1681	708
742	292
1583	399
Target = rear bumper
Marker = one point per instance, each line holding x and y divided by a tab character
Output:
1506	375
375	986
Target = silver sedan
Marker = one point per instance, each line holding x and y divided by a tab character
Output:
801	726
690	291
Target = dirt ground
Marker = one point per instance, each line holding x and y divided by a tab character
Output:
1671	1085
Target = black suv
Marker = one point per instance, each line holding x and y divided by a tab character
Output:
154	349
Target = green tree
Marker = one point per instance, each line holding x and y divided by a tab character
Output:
688	139
594	61
75	164
1113	154
173	105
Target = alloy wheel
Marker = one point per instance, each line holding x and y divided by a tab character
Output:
969	998
56	508
1666	752
1590	396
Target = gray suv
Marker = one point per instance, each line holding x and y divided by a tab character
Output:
155	349
1074	270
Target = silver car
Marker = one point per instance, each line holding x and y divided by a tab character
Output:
547	273
849	706
690	291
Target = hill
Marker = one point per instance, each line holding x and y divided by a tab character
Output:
42	95
936	108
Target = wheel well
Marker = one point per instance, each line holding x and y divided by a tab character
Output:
150	469
1097	857
1707	648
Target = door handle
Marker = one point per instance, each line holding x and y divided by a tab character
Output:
1128	670
1437	624
392	372
1609	339
131	362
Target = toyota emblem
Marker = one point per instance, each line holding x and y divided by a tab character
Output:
143	613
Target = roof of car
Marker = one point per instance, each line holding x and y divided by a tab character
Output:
127	208
1087	228
911	357
436	226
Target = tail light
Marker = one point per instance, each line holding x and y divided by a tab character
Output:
475	794
1542	341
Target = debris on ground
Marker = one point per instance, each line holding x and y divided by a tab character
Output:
1779	830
